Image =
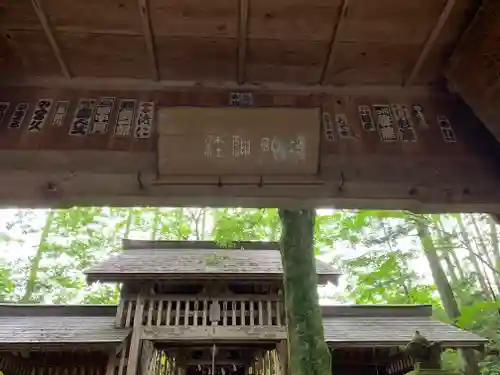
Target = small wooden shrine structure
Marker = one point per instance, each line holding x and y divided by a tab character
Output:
191	308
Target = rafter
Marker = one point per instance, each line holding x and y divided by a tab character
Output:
50	36
148	36
242	40
430	42
331	50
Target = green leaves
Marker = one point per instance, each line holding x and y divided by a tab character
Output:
379	253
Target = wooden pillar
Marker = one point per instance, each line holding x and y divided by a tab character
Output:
147	354
282	356
135	342
120	320
110	368
181	362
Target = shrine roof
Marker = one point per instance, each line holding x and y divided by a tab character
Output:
144	260
390	325
53	326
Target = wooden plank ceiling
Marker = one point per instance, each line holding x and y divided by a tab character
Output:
329	42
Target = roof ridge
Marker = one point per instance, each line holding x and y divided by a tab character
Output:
142	263
129	244
336	311
12	309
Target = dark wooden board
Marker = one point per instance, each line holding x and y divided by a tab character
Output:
356	169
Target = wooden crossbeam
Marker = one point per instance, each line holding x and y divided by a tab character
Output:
50	36
330	60
113	83
430	42
242	40
148	36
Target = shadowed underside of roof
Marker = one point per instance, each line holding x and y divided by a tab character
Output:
159	260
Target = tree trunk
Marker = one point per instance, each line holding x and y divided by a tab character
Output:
156	223
448	247
486	254
196	218
308	352
494	241
451	269
35	261
179	217
472	256
444	289
203	224
458	265
128	223
480	243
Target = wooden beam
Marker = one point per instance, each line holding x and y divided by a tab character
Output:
330	60
220	297
242	40
50	36
430	42
135	84
24	188
148	36
220	362
209	333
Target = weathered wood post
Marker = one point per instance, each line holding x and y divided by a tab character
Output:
307	350
135	341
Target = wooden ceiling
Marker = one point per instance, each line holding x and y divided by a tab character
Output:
310	42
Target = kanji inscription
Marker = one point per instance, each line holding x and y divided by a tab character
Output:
342	126
102	113
385	122
83	117
39	116
446	129
17	118
144	120
404	121
125	117
328	127
4	107
61	109
366	118
235	141
281	149
418	112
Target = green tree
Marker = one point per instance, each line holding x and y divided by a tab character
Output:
308	352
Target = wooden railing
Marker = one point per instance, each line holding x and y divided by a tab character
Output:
187	311
401	365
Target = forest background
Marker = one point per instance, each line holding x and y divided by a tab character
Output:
386	257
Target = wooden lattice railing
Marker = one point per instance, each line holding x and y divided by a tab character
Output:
187	311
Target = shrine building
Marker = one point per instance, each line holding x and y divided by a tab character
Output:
193	308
